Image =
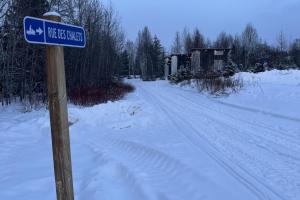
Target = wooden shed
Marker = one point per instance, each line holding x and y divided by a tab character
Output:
179	62
214	59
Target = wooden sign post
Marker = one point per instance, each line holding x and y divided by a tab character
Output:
57	97
49	31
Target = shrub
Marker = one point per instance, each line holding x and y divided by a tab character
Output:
258	68
229	70
180	76
216	84
96	95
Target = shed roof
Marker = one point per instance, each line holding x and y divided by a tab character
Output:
210	49
178	54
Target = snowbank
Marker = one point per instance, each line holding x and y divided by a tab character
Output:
274	91
285	77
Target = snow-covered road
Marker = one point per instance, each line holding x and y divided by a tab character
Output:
161	142
261	157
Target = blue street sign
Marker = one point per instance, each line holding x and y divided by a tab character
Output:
40	31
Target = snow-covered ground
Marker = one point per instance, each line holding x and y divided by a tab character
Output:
165	142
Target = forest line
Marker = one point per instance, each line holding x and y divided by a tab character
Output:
108	55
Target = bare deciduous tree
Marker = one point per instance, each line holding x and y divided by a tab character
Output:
249	41
177	44
282	41
22	73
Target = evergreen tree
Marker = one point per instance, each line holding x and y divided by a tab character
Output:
149	55
144	54
223	41
198	40
295	52
158	57
125	64
188	43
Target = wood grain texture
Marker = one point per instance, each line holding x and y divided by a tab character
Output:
57	96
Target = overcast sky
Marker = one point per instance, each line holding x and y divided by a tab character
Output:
165	17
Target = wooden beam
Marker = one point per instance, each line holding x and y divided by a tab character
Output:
57	96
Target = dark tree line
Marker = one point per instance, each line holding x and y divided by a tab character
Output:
186	41
22	66
149	55
248	50
107	56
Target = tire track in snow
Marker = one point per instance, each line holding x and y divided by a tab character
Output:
269	137
158	170
279	148
282	134
285	156
211	150
244	108
108	173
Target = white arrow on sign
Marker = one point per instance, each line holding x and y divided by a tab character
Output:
39	31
